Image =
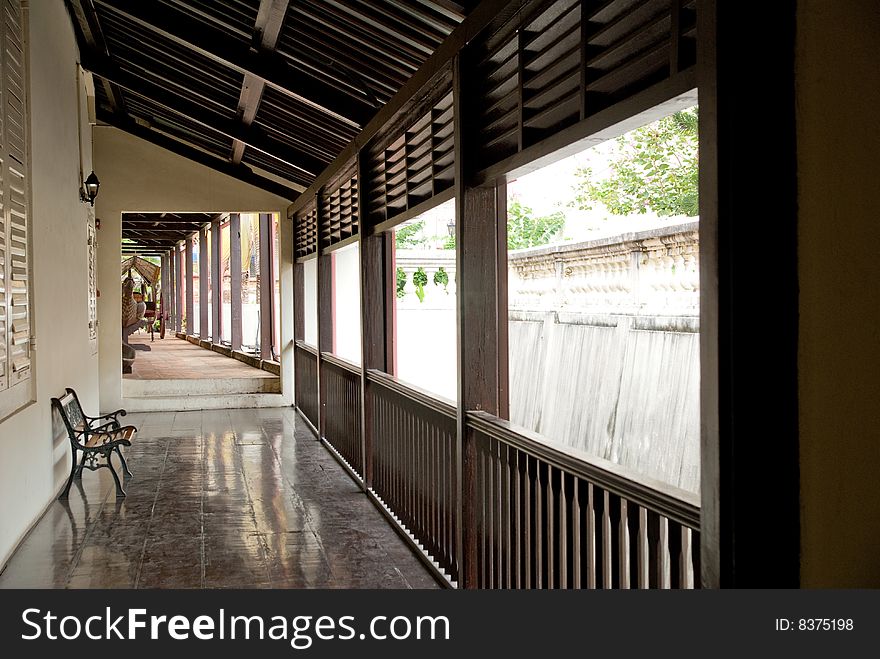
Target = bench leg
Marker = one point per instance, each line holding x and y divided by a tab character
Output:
119	491
73	471
125	469
79	469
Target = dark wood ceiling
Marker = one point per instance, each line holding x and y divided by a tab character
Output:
268	91
154	233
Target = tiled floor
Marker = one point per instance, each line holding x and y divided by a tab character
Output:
175	359
219	499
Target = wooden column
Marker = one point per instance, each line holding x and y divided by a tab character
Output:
180	303
481	266
188	264
162	302
299	291
204	260
235	279
326	333
216	284
267	286
750	526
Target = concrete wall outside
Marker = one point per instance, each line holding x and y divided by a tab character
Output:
139	176
33	454
838	91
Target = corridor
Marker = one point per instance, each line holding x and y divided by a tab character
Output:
219	499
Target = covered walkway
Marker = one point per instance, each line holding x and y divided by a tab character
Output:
219	499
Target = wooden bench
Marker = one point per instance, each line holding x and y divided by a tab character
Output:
96	437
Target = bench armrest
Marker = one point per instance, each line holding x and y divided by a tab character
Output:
111	436
113	415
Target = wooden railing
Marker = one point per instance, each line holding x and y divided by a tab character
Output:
342	427
306	381
414	462
508	508
544	516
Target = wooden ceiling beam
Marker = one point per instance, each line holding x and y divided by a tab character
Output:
218	46
270	20
197	113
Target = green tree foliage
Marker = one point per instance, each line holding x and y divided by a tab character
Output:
407	237
441	278
523	230
653	168
401	282
420	280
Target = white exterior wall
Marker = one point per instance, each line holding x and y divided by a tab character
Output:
34	458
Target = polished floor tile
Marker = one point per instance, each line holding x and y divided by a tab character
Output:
220	499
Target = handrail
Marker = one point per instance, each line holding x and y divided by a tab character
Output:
305	346
339	362
429	400
673	503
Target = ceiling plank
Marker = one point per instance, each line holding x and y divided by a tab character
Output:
220	47
91	39
240	172
181	105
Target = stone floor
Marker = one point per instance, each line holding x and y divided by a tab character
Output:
175	359
219	499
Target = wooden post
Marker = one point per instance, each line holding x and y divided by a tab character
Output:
216	284
480	225
204	259
750	513
189	285
235	279
326	332
267	286
376	254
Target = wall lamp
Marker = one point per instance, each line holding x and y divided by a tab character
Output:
450	227
89	189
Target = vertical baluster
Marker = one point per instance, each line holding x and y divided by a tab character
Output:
610	553
676	574
577	527
655	550
551	525
564	507
636	562
504	465
490	512
539	524
517	557
618	540
596	538
528	554
695	559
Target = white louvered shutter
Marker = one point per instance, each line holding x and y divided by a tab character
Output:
14	171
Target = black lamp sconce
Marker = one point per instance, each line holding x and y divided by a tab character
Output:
89	189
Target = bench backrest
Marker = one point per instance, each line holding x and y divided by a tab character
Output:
71	413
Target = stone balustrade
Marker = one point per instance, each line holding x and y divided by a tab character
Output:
644	273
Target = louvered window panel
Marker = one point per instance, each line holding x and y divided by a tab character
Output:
307	232
339	219
15	304
405	169
556	63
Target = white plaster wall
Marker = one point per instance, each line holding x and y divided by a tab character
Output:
347	303
139	176
33	462
310	301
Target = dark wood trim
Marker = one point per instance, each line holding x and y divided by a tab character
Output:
415	211
299	289
204	262
235	333
326	329
190	278
267	286
749	406
216	283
